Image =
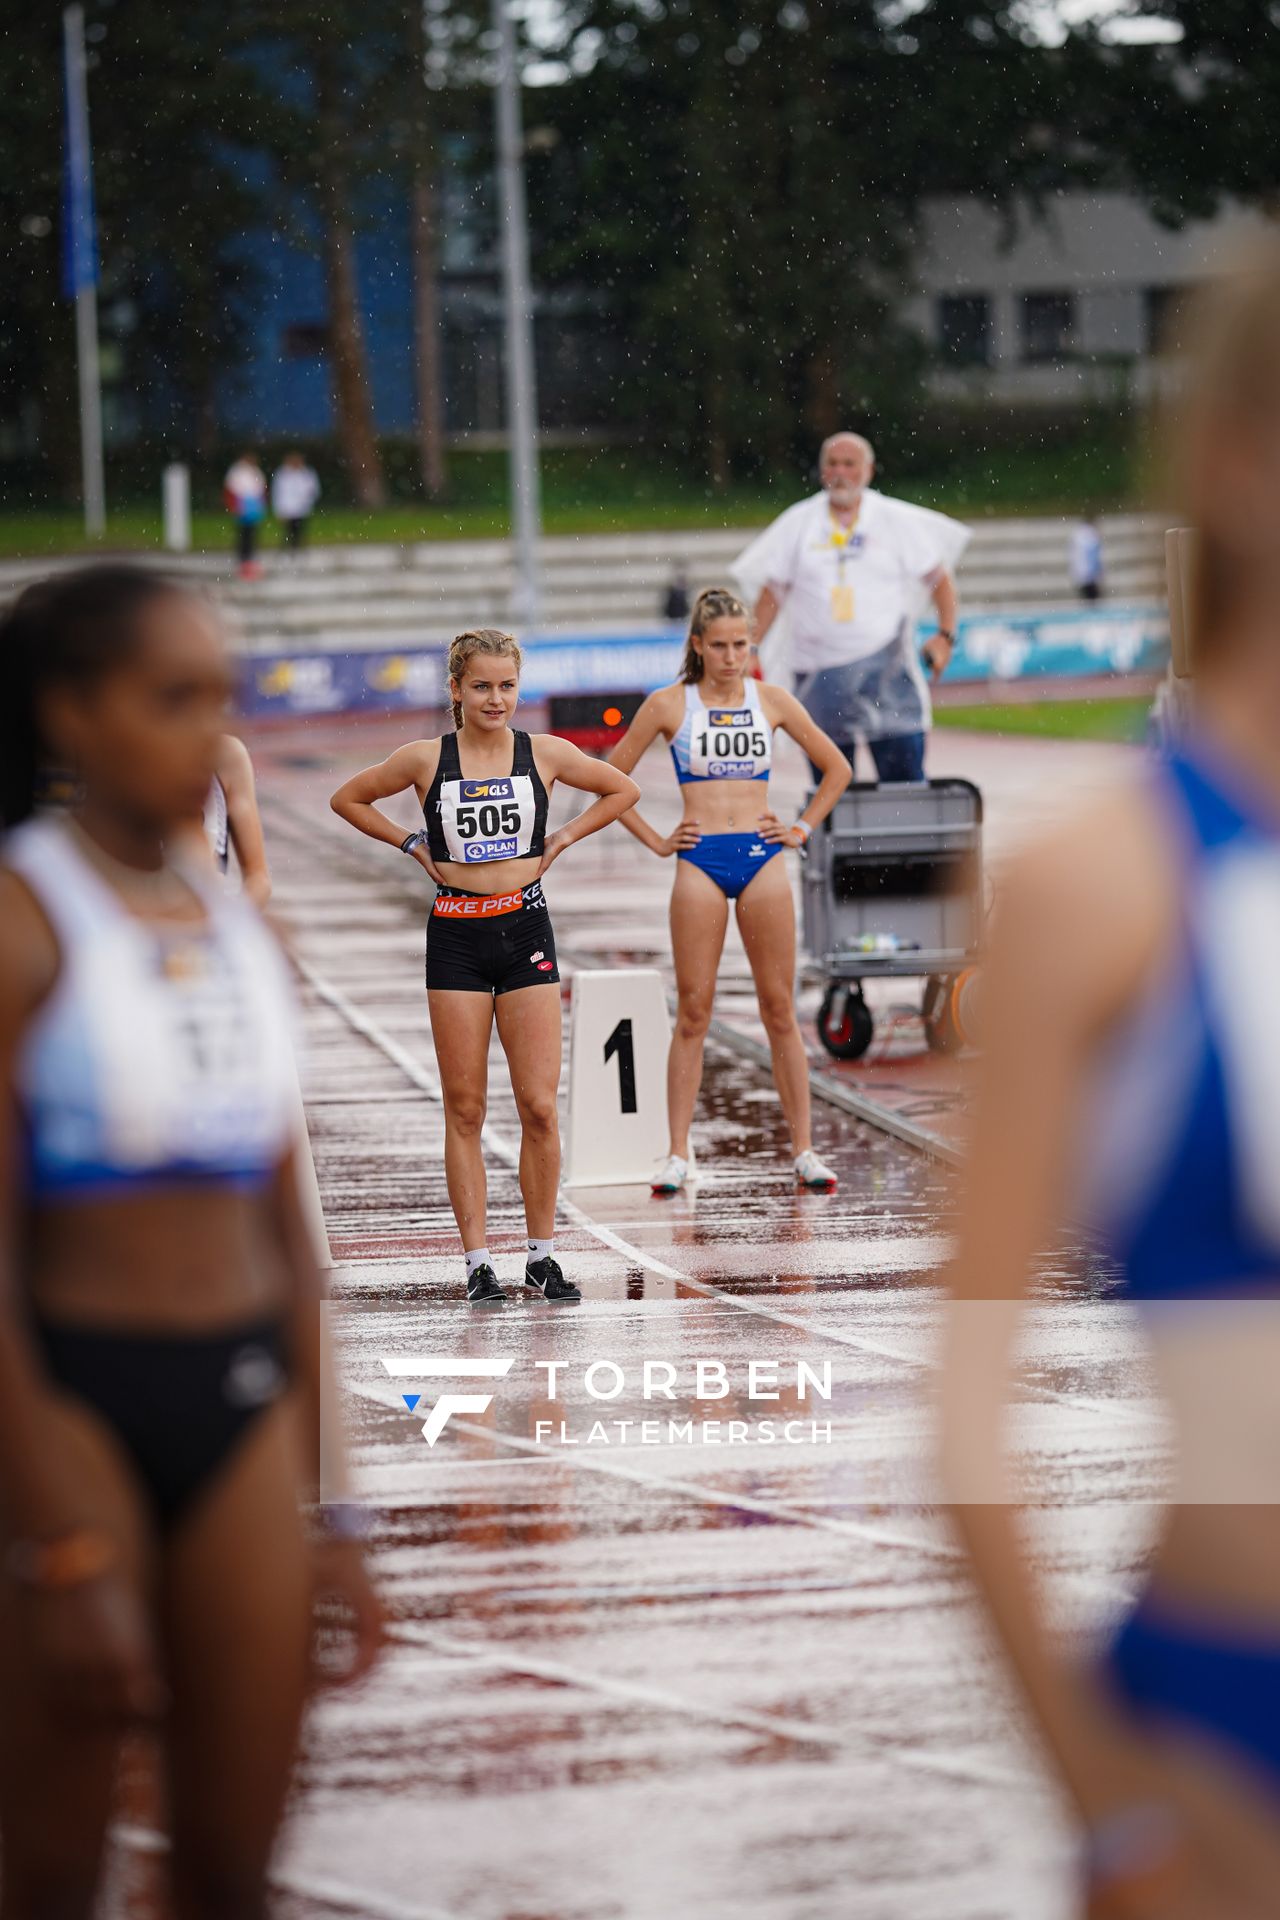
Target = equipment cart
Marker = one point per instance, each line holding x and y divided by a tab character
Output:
892	885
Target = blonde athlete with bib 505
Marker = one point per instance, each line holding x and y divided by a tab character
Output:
720	725
491	951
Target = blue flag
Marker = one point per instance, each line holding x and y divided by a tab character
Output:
79	239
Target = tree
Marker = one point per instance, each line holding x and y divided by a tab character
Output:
327	137
439	76
747	181
1195	120
174	273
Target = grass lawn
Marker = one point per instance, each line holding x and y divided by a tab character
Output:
596	490
1124	720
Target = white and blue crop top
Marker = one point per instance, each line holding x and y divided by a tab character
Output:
1183	1173
723	743
162	1053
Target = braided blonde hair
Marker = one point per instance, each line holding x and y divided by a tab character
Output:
467	645
713	603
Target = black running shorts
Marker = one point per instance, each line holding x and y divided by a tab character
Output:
490	942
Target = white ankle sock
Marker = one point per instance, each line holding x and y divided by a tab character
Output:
540	1250
478	1258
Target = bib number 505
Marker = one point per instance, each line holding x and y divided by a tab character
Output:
488	821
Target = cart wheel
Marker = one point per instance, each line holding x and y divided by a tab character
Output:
845	1025
941	1033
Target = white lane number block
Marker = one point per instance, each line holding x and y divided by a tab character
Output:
619	1036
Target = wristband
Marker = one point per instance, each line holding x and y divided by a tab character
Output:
803	826
412	841
947	634
1135	1849
344	1520
70	1560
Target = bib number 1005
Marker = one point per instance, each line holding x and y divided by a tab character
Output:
743	744
488	821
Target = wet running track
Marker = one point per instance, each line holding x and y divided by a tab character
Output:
641	1673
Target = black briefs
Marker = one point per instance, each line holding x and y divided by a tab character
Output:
177	1403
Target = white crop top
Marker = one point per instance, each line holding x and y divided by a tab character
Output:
723	743
163	1053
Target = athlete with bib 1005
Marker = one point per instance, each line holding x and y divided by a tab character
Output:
720	725
491	950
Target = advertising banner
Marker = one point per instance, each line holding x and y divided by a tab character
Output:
989	647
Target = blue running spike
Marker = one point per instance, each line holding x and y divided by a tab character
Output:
411	1400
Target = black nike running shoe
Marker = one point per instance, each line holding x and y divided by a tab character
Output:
545	1277
483	1289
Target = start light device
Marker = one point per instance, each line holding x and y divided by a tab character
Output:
593	721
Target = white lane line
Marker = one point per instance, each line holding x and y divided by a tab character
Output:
670	1483
340	1898
502	1150
674	1597
774	1725
334	1894
1095	1586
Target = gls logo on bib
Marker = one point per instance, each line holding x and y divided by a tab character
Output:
487	819
731	744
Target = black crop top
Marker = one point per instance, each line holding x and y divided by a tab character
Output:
473	821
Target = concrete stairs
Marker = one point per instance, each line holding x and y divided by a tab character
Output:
367	598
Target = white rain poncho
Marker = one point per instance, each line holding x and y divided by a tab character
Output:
846	631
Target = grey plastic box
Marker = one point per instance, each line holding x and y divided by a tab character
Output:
900	860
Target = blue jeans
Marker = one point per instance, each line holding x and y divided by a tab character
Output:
900	757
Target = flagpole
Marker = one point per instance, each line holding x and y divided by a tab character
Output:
522	404
82	271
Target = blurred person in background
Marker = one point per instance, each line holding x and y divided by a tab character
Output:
851	566
1087	570
295	488
231	820
675	598
160	1336
244	494
1131	1075
231	823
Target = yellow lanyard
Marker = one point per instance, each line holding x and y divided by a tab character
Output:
842	599
841	539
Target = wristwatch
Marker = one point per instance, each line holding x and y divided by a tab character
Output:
947	634
412	841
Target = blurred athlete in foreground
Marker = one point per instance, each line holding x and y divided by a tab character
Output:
159	1326
491	952
1132	1074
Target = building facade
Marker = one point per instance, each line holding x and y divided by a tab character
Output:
1058	304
